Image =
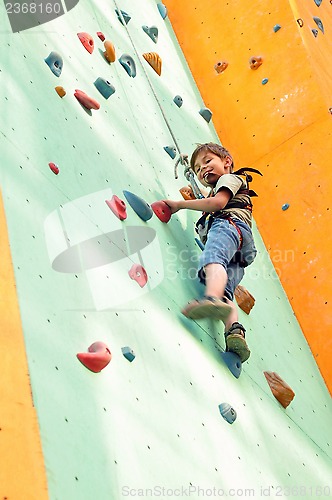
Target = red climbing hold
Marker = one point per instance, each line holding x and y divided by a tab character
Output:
85	100
97	357
162	210
139	274
87	41
54	168
101	36
118	207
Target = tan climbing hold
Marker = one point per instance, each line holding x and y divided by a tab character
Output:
280	390
220	66
255	62
187	193
154	60
244	299
109	53
60	91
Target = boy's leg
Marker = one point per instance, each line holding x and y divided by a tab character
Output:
212	304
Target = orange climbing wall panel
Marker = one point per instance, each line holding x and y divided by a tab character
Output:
22	471
283	128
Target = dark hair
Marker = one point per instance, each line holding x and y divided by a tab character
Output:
216	149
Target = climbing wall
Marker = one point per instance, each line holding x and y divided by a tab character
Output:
282	105
148	426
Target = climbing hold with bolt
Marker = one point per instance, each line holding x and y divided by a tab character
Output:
319	23
123	17
171	151
101	36
117	206
162	210
220	66
178	101
206	113
152	32
227	412
104	87
87	41
128	64
255	62
138	274
55	62
154	60
128	353
97	357
233	363
285	206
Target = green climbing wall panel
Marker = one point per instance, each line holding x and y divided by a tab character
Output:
152	423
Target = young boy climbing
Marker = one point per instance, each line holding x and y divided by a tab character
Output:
225	230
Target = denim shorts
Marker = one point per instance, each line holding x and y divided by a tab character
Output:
222	243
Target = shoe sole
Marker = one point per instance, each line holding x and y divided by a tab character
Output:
237	344
208	311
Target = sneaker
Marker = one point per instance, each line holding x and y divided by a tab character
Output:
207	307
236	342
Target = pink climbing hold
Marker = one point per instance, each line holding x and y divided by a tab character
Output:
101	36
97	357
85	100
87	41
118	207
162	210
139	274
54	168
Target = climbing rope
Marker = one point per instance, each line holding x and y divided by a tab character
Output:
183	158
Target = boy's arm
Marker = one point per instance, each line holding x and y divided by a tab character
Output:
212	204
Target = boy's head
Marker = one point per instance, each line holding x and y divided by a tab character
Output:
204	159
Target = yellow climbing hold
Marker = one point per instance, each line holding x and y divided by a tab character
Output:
109	53
60	91
154	60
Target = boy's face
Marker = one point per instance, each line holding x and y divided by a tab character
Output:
210	167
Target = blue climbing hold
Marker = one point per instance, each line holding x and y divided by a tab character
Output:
171	151
227	412
318	2
55	63
178	101
129	64
264	81
162	10
141	207
128	353
124	18
233	363
315	32
285	206
206	113
276	28
152	32
105	87
199	243
319	23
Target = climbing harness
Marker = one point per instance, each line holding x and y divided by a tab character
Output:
204	224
